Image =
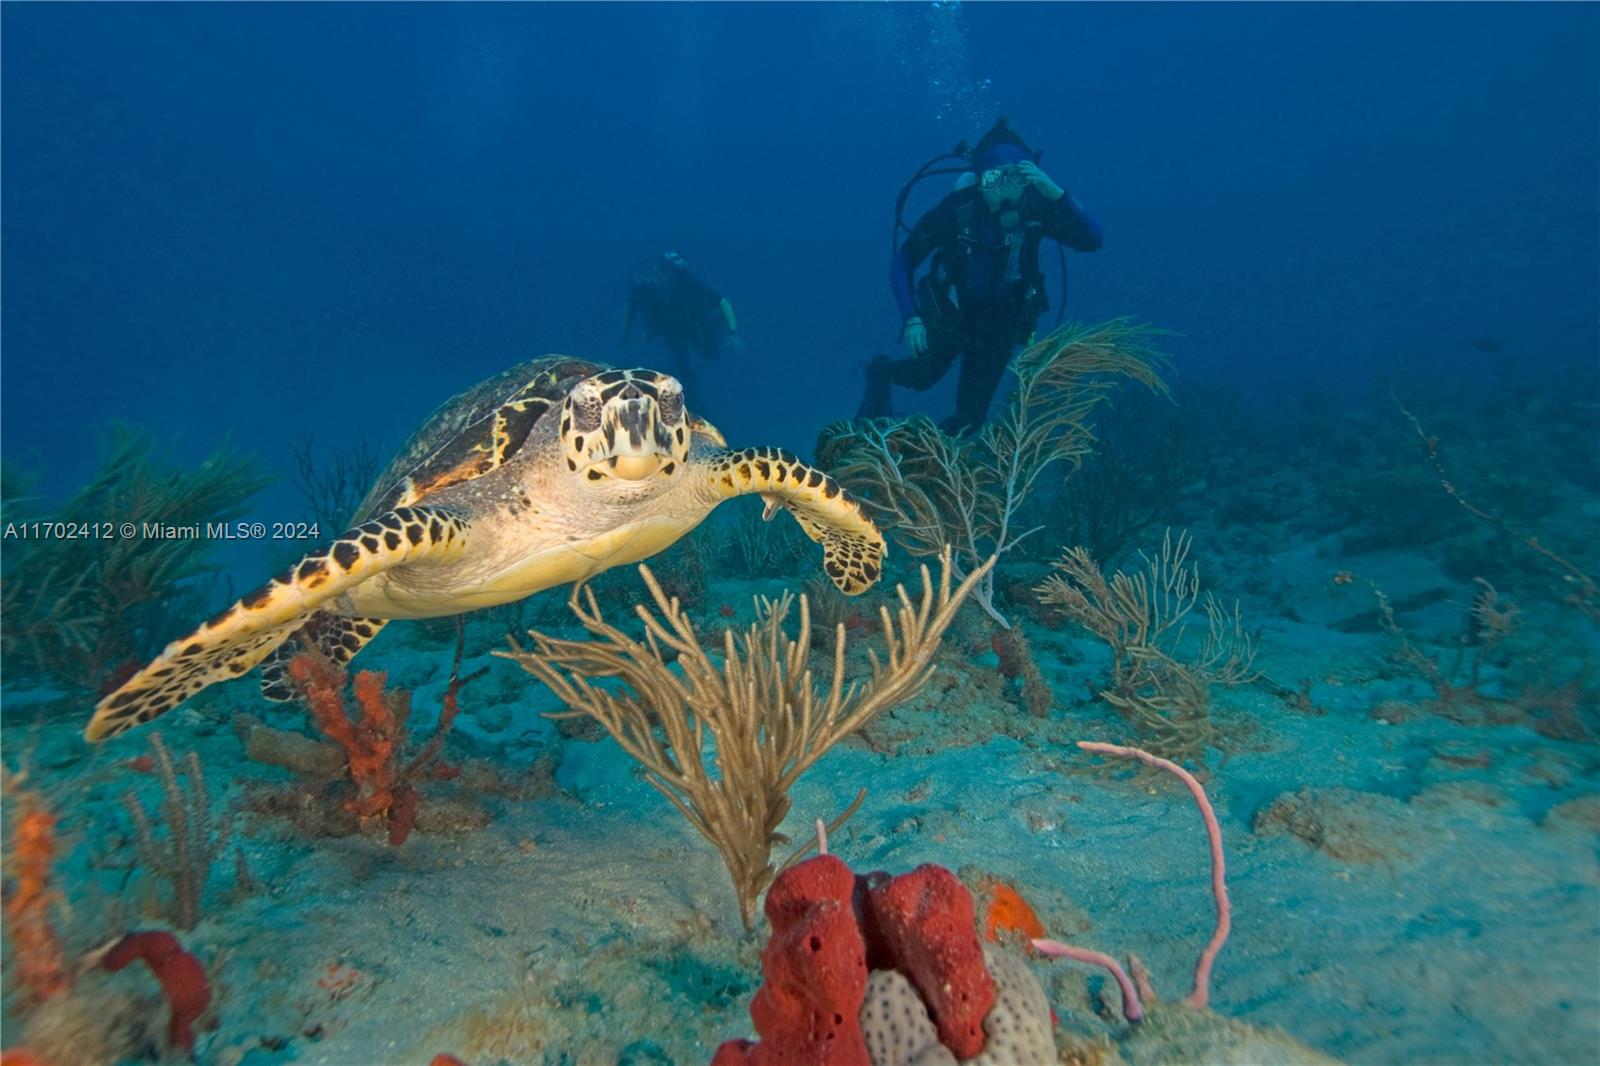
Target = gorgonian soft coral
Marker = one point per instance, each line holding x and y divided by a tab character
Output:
928	489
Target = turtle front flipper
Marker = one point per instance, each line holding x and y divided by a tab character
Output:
701	428
234	641
852	547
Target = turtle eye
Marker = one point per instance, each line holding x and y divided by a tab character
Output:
669	403
585	413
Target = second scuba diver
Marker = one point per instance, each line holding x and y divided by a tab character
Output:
669	301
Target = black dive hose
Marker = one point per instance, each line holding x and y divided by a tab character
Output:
1061	308
924	171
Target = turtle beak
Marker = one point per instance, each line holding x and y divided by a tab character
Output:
635	445
634	467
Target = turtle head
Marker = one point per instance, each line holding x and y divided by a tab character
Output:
626	425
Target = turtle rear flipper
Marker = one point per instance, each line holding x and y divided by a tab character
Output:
235	640
336	636
852	547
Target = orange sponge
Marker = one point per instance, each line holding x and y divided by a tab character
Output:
1010	913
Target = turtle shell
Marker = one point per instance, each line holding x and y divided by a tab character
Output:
474	432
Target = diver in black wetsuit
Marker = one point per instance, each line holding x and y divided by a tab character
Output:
984	292
670	302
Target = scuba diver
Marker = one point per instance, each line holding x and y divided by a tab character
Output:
670	301
984	292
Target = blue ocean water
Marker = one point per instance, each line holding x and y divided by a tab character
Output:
298	229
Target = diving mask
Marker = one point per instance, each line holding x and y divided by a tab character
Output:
1004	181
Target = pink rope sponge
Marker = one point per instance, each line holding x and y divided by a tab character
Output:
1200	992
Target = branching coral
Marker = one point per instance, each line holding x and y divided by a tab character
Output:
1583	591
374	738
1015	652
80	595
370	738
333	487
38	962
1494	674
759	707
1148	450
184	856
929	489
1156	682
747	543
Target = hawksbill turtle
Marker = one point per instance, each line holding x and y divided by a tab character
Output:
546	473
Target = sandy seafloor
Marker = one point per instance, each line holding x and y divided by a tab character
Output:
1443	906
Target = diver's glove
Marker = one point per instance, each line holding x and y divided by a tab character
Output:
914	337
1040	180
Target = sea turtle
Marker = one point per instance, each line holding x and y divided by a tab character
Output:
546	473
